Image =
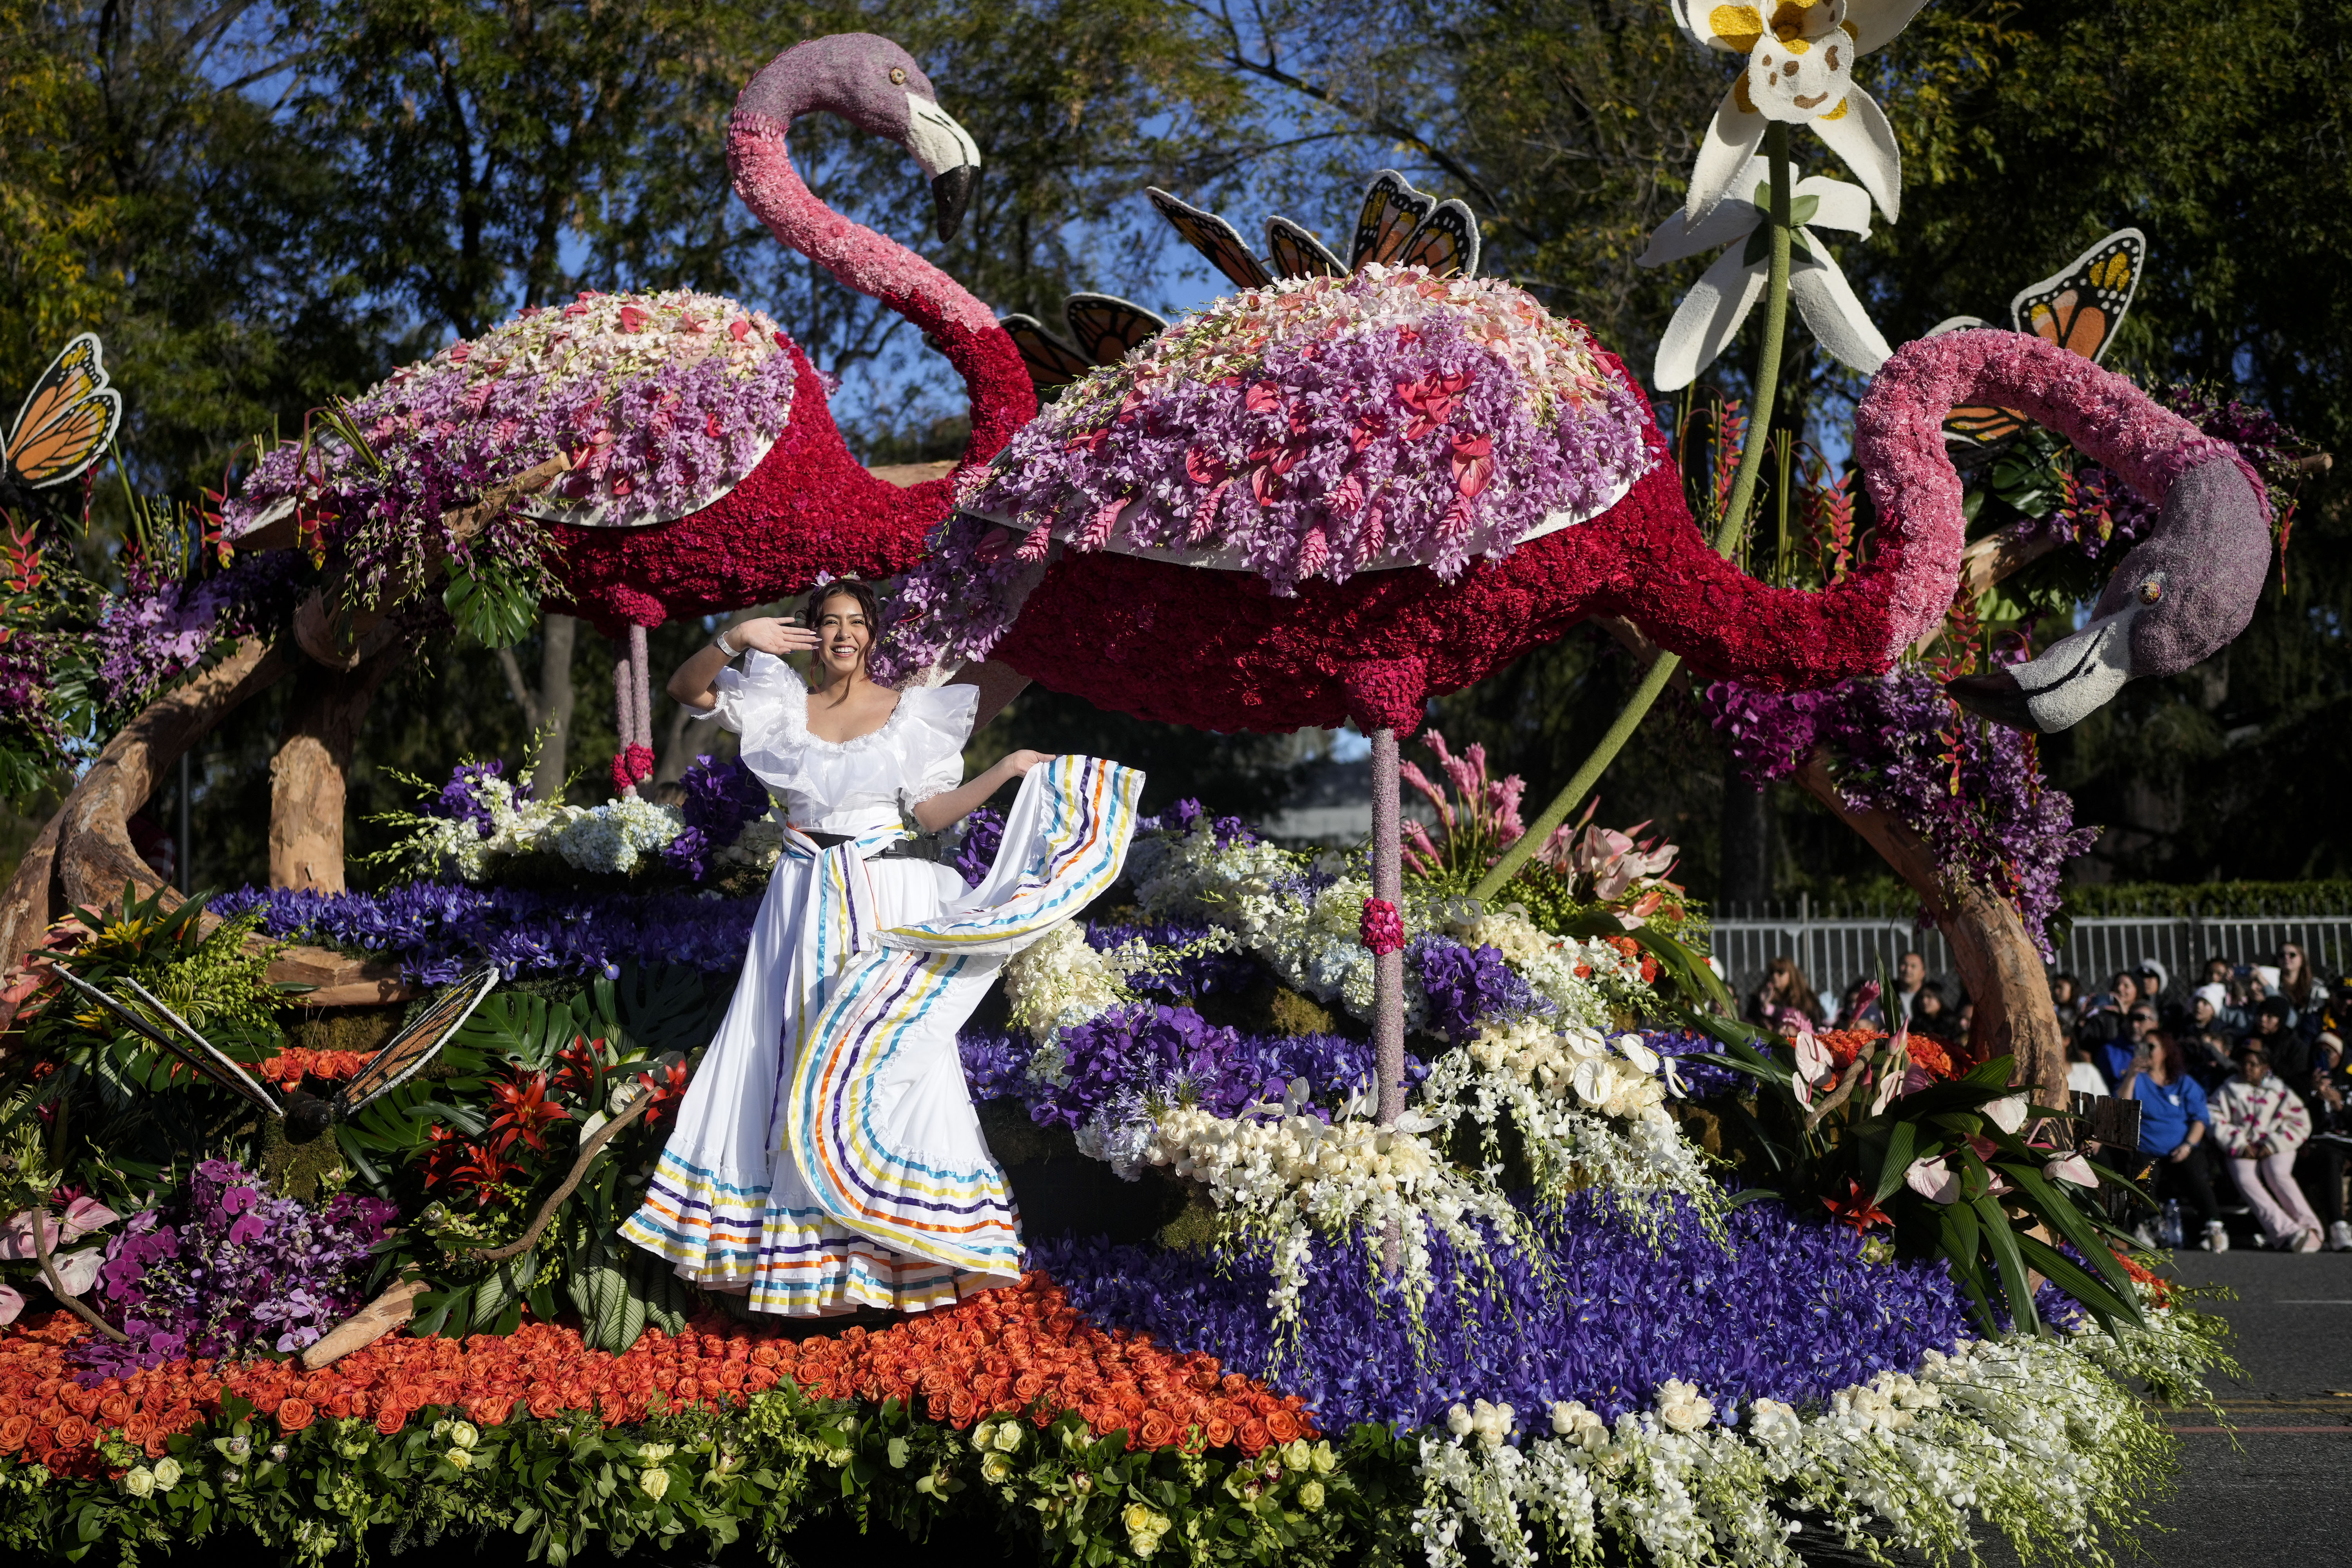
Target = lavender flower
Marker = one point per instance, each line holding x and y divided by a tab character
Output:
1995	821
1466	984
720	797
1785	1310
457	802
983	833
160	626
226	1266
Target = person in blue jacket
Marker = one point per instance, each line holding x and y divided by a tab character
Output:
2173	1122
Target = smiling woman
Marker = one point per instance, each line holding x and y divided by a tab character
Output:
827	1157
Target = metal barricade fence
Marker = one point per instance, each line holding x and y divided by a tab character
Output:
1836	949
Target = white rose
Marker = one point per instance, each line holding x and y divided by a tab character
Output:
167	1473
140	1482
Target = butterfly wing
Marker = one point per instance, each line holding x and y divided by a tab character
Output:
208	1060
67	419
417	1044
1446	242
1051	362
2081	307
1392	210
1106	327
1984	427
1214	237
1298	253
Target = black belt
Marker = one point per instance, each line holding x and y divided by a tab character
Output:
898	849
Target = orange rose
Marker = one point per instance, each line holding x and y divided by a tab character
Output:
962	1408
115	1409
1284	1425
13	1431
490	1409
1159	1429
73	1432
1028	1386
1219	1432
390	1418
293	1414
156	1446
1254	1437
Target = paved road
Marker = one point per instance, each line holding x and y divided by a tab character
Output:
2276	1495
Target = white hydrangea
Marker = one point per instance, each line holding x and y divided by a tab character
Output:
1059	980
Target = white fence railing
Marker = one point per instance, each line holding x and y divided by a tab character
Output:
1836	949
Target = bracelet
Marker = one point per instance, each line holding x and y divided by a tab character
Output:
723	646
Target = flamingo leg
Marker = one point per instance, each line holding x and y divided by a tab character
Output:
1387	968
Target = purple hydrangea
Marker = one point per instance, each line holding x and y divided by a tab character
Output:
1202	974
1974	790
457	802
226	1266
720	799
1186	815
1779	1309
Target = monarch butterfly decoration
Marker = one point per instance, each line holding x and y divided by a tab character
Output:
1397	226
306	1116
2079	308
68	422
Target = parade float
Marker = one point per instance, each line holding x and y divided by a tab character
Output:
1411	1201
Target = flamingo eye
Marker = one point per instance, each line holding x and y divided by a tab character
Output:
2150	592
898	76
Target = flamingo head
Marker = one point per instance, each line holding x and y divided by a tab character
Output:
878	87
2176	598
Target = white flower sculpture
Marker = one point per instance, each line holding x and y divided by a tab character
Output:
1801	56
1710	314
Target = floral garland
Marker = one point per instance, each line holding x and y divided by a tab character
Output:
1973	790
659	400
1311	429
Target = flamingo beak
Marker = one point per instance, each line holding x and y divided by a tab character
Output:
2072	679
948	157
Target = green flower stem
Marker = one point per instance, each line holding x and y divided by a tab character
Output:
1726	534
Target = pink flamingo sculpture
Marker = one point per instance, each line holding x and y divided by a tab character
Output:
706	469
1360	600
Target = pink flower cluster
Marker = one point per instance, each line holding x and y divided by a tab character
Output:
1382	928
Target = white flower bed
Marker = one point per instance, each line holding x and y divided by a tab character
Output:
613	839
2033	1437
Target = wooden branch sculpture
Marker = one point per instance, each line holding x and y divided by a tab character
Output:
57	1286
585	1158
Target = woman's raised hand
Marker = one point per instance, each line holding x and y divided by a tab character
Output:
773	635
1017	765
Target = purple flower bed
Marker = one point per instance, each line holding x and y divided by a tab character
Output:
160	626
1203	974
1186	815
457	802
1702	1079
438	931
229	1266
2000	825
1111	1060
1789	1311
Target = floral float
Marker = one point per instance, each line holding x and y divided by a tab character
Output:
1627	1362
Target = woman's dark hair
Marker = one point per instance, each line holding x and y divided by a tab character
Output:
1799	994
2298	990
845	588
2164	1053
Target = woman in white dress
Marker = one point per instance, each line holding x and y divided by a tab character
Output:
826	1154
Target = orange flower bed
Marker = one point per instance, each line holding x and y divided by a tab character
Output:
1002	1353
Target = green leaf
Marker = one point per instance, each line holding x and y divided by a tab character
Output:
491	605
1898	1159
1802	208
2068	1276
2001	1242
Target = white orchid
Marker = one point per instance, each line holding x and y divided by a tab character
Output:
1801	56
1710	314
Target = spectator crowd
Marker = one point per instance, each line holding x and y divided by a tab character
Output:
2242	1073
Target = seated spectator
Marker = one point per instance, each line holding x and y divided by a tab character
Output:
1910	979
2273	1038
1929	1016
2320	1166
2209	1012
2082	1075
2217	971
2261	1124
2104	1016
1856	1012
2299	987
2210	1062
1963	1020
2067	1000
2116	1057
1784	990
2152	981
2172	1123
2338	1018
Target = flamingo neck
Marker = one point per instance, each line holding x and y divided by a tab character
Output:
873	263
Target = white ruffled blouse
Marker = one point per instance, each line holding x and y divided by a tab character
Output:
844	786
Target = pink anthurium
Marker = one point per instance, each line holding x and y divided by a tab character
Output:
1933	1179
1815	1067
2009	1114
12	1305
2072	1168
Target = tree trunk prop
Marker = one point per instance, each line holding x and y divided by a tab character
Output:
307	787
